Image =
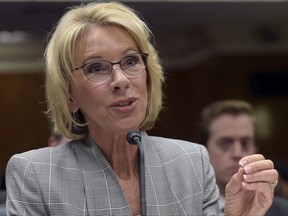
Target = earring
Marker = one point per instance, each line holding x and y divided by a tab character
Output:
75	117
79	119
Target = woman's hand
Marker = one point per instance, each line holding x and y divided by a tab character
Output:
251	190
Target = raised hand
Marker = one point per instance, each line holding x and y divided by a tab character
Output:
251	190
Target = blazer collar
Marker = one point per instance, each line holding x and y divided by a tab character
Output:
103	192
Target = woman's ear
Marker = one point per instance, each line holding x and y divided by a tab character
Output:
73	105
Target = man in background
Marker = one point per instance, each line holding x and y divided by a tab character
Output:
228	130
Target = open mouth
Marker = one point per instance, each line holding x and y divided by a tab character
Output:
123	104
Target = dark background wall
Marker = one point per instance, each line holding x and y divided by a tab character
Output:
230	77
23	125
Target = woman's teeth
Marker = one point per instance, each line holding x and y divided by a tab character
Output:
125	104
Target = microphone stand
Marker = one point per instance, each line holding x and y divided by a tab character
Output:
134	137
142	181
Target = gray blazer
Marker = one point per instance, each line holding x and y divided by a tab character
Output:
76	179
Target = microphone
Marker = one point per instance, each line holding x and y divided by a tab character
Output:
134	138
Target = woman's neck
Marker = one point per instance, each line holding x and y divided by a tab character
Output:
122	156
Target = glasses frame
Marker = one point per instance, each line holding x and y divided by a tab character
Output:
143	56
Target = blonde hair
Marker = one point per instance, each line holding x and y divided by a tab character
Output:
59	61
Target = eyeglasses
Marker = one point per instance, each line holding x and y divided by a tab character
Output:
99	70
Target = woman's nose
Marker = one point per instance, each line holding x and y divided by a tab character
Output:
119	80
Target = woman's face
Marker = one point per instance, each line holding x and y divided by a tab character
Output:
117	103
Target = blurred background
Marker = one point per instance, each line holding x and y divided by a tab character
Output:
210	50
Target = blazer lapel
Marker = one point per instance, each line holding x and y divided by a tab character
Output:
159	198
103	192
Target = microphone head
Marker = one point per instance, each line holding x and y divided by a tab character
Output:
133	137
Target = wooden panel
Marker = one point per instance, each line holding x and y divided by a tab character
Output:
23	125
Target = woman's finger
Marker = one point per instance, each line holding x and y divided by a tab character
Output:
251	158
263	187
269	176
256	166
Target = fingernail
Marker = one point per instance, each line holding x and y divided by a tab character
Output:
243	163
248	169
247	176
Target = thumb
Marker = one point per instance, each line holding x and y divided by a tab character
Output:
235	183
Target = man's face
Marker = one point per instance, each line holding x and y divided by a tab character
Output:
231	138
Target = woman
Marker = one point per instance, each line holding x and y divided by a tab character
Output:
103	80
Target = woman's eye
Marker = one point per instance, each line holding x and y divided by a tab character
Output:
96	68
130	61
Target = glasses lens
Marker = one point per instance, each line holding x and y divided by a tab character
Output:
133	64
97	70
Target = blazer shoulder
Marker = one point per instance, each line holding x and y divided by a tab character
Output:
171	143
43	155
178	147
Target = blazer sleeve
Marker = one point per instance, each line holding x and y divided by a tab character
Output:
211	192
23	192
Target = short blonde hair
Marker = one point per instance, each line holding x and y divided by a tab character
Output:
59	61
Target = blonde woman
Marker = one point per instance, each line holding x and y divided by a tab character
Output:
103	80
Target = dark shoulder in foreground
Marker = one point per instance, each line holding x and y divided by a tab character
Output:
279	207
